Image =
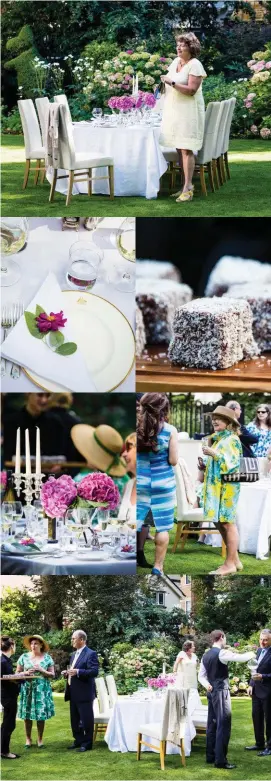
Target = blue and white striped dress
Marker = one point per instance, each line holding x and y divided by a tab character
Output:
156	487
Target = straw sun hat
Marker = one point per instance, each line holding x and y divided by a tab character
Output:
101	447
28	638
225	412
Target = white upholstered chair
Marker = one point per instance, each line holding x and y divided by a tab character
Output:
200	718
112	689
205	155
226	137
187	515
78	164
42	106
64	102
34	149
102	710
217	164
159	732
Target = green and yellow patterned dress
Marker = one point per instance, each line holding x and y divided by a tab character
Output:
36	699
220	499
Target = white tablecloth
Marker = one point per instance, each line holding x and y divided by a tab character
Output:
254	518
138	160
48	250
67	565
128	714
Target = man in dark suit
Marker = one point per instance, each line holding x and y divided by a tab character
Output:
260	690
80	691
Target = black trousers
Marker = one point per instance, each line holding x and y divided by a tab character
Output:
8	724
218	726
82	723
261	713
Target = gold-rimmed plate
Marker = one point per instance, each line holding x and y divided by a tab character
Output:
104	337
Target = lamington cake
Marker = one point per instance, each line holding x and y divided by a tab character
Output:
259	298
212	333
158	299
236	271
140	333
159	269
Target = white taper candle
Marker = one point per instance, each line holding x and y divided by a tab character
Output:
27	453
38	459
18	453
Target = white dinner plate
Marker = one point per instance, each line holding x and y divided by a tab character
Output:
105	338
91	555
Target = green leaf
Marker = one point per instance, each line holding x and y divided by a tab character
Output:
56	338
39	310
30	320
68	348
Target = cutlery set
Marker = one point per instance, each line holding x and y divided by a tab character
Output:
10	314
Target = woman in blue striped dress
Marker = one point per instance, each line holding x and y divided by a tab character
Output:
157	453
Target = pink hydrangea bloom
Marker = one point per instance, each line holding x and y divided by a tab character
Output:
3	479
254	129
250	63
99	487
268	65
251	95
129	51
265	132
57	494
51	322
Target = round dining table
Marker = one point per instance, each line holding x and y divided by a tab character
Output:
139	162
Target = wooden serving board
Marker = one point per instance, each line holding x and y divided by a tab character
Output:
154	372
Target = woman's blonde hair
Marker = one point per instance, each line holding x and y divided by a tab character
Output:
191	41
131	438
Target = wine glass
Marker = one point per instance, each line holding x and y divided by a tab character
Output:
17	516
7	518
126	239
14	233
97	113
84	262
103	517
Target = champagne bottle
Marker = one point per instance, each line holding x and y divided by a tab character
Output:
9	493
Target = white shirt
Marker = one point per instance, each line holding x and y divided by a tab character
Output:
77	654
225	655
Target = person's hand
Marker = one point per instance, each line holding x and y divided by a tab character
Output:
209	688
64	673
31	671
208	451
257	677
72	672
165	79
249	691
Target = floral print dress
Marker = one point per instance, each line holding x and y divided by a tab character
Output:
36	699
220	499
260	449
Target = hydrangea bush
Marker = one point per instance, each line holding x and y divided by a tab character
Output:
258	100
132	668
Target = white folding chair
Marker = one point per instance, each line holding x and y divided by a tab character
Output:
78	164
217	163
101	718
187	515
64	102
159	732
226	138
34	149
205	155
42	106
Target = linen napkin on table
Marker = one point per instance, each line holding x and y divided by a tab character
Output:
21	347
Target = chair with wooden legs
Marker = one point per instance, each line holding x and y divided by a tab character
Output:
226	137
79	165
42	106
171	156
218	161
103	712
64	102
205	155
188	517
159	732
34	149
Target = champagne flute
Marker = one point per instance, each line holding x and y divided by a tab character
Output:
7	518
14	233
126	239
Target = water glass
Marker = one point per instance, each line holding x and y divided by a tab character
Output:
84	262
97	113
121	276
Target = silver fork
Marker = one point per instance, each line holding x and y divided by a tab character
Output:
10	314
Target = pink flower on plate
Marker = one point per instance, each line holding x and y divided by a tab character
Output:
51	322
57	494
99	487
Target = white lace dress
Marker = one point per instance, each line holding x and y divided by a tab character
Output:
183	115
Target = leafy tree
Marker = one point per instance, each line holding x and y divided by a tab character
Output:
20	615
240	606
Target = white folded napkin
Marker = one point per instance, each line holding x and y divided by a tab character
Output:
21	347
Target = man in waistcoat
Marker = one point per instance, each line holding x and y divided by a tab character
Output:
214	676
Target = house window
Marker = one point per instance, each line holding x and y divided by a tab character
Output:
188	605
187	580
160	598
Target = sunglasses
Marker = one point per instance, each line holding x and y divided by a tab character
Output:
262	411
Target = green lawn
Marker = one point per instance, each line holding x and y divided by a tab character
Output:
245	195
55	762
199	559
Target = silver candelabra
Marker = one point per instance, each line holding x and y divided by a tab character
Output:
32	485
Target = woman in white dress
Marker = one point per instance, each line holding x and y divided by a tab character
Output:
186	667
184	111
127	510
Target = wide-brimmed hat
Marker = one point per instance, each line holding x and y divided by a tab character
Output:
225	412
28	638
101	447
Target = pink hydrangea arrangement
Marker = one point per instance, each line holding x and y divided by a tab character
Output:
99	489
57	494
3	480
162	681
95	490
128	102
